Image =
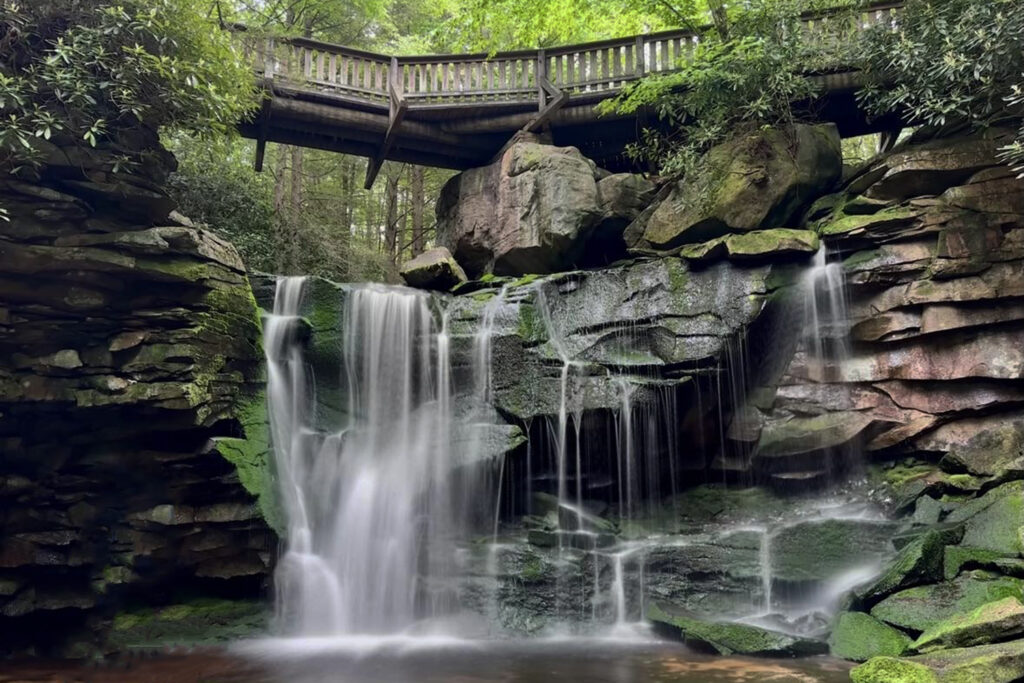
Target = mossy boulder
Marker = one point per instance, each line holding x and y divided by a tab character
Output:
923	607
728	638
433	269
995	663
892	670
771	244
860	637
920	561
995	521
818	550
992	622
758	181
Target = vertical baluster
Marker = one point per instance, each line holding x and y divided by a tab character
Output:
665	63
570	70
320	66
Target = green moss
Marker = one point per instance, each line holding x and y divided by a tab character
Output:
730	638
892	670
527	279
678	276
922	607
843	224
956	557
763	243
860	637
993	621
920	561
861	258
531	327
199	621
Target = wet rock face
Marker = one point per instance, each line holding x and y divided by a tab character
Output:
533	210
130	375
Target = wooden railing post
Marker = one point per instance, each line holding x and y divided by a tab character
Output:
541	76
639	60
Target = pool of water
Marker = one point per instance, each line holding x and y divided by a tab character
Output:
439	661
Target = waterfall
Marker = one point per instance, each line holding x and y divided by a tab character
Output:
826	322
369	507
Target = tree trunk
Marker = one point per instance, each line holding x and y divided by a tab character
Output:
280	244
296	211
418	201
391	218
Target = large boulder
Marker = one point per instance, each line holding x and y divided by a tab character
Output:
532	210
433	269
762	180
860	637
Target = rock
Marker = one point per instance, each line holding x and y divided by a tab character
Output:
128	348
624	195
531	211
771	244
822	549
704	252
433	269
995	521
918	562
987	446
990	623
932	167
892	670
860	637
996	663
923	607
763	180
731	638
927	511
808	434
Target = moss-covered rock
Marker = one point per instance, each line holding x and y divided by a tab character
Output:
995	521
923	607
996	663
818	550
730	638
433	269
989	623
892	670
771	244
920	561
762	180
860	637
197	622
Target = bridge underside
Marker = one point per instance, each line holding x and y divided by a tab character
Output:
465	136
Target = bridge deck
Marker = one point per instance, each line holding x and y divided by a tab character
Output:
457	111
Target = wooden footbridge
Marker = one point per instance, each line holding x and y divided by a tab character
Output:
458	111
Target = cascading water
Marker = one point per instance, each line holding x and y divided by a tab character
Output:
369	507
384	513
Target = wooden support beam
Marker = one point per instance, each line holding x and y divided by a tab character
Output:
548	110
264	123
398	107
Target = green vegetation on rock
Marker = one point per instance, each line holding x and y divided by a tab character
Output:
730	638
892	670
991	622
923	607
200	621
860	637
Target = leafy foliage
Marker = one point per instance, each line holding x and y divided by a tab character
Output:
85	71
732	84
949	62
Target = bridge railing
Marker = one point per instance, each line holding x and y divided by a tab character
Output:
600	68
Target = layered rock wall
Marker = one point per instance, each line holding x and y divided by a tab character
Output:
132	423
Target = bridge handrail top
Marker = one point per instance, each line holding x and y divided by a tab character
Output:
298	41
